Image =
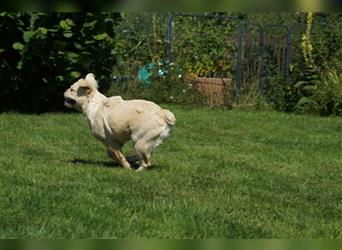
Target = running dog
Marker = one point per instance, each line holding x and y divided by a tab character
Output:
115	121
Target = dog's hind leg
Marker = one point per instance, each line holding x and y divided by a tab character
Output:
144	146
142	151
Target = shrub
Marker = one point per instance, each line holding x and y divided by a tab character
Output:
43	53
169	88
326	96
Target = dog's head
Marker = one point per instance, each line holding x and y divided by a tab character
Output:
80	92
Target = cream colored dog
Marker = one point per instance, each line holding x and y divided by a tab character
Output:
114	121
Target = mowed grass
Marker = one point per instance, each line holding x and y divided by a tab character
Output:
232	174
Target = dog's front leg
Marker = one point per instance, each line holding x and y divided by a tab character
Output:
112	156
116	152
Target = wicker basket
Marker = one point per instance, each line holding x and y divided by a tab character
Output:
216	89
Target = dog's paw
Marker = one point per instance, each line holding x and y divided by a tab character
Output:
128	167
141	168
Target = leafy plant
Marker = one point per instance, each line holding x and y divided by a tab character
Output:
169	88
325	96
44	53
205	47
139	40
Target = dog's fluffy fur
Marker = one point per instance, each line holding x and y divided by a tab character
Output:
114	121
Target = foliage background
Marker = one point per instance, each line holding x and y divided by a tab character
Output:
42	53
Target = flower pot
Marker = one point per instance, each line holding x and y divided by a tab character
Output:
215	89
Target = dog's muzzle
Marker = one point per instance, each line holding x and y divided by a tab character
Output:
69	102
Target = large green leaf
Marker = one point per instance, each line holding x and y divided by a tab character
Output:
310	88
67	34
42	30
71	56
18	46
75	74
59	78
304	100
66	24
90	25
20	64
77	45
27	35
300	84
100	37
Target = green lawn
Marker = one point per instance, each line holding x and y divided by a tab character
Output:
232	174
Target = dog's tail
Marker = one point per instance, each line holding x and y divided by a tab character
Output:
170	120
169	117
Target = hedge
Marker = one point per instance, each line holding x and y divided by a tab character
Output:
41	54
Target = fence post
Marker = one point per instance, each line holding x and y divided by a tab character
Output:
261	67
238	61
169	37
288	55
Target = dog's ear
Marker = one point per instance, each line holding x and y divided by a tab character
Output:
91	79
85	87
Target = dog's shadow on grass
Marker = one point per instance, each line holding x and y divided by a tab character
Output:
132	159
100	163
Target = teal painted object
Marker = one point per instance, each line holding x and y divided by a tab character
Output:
145	73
